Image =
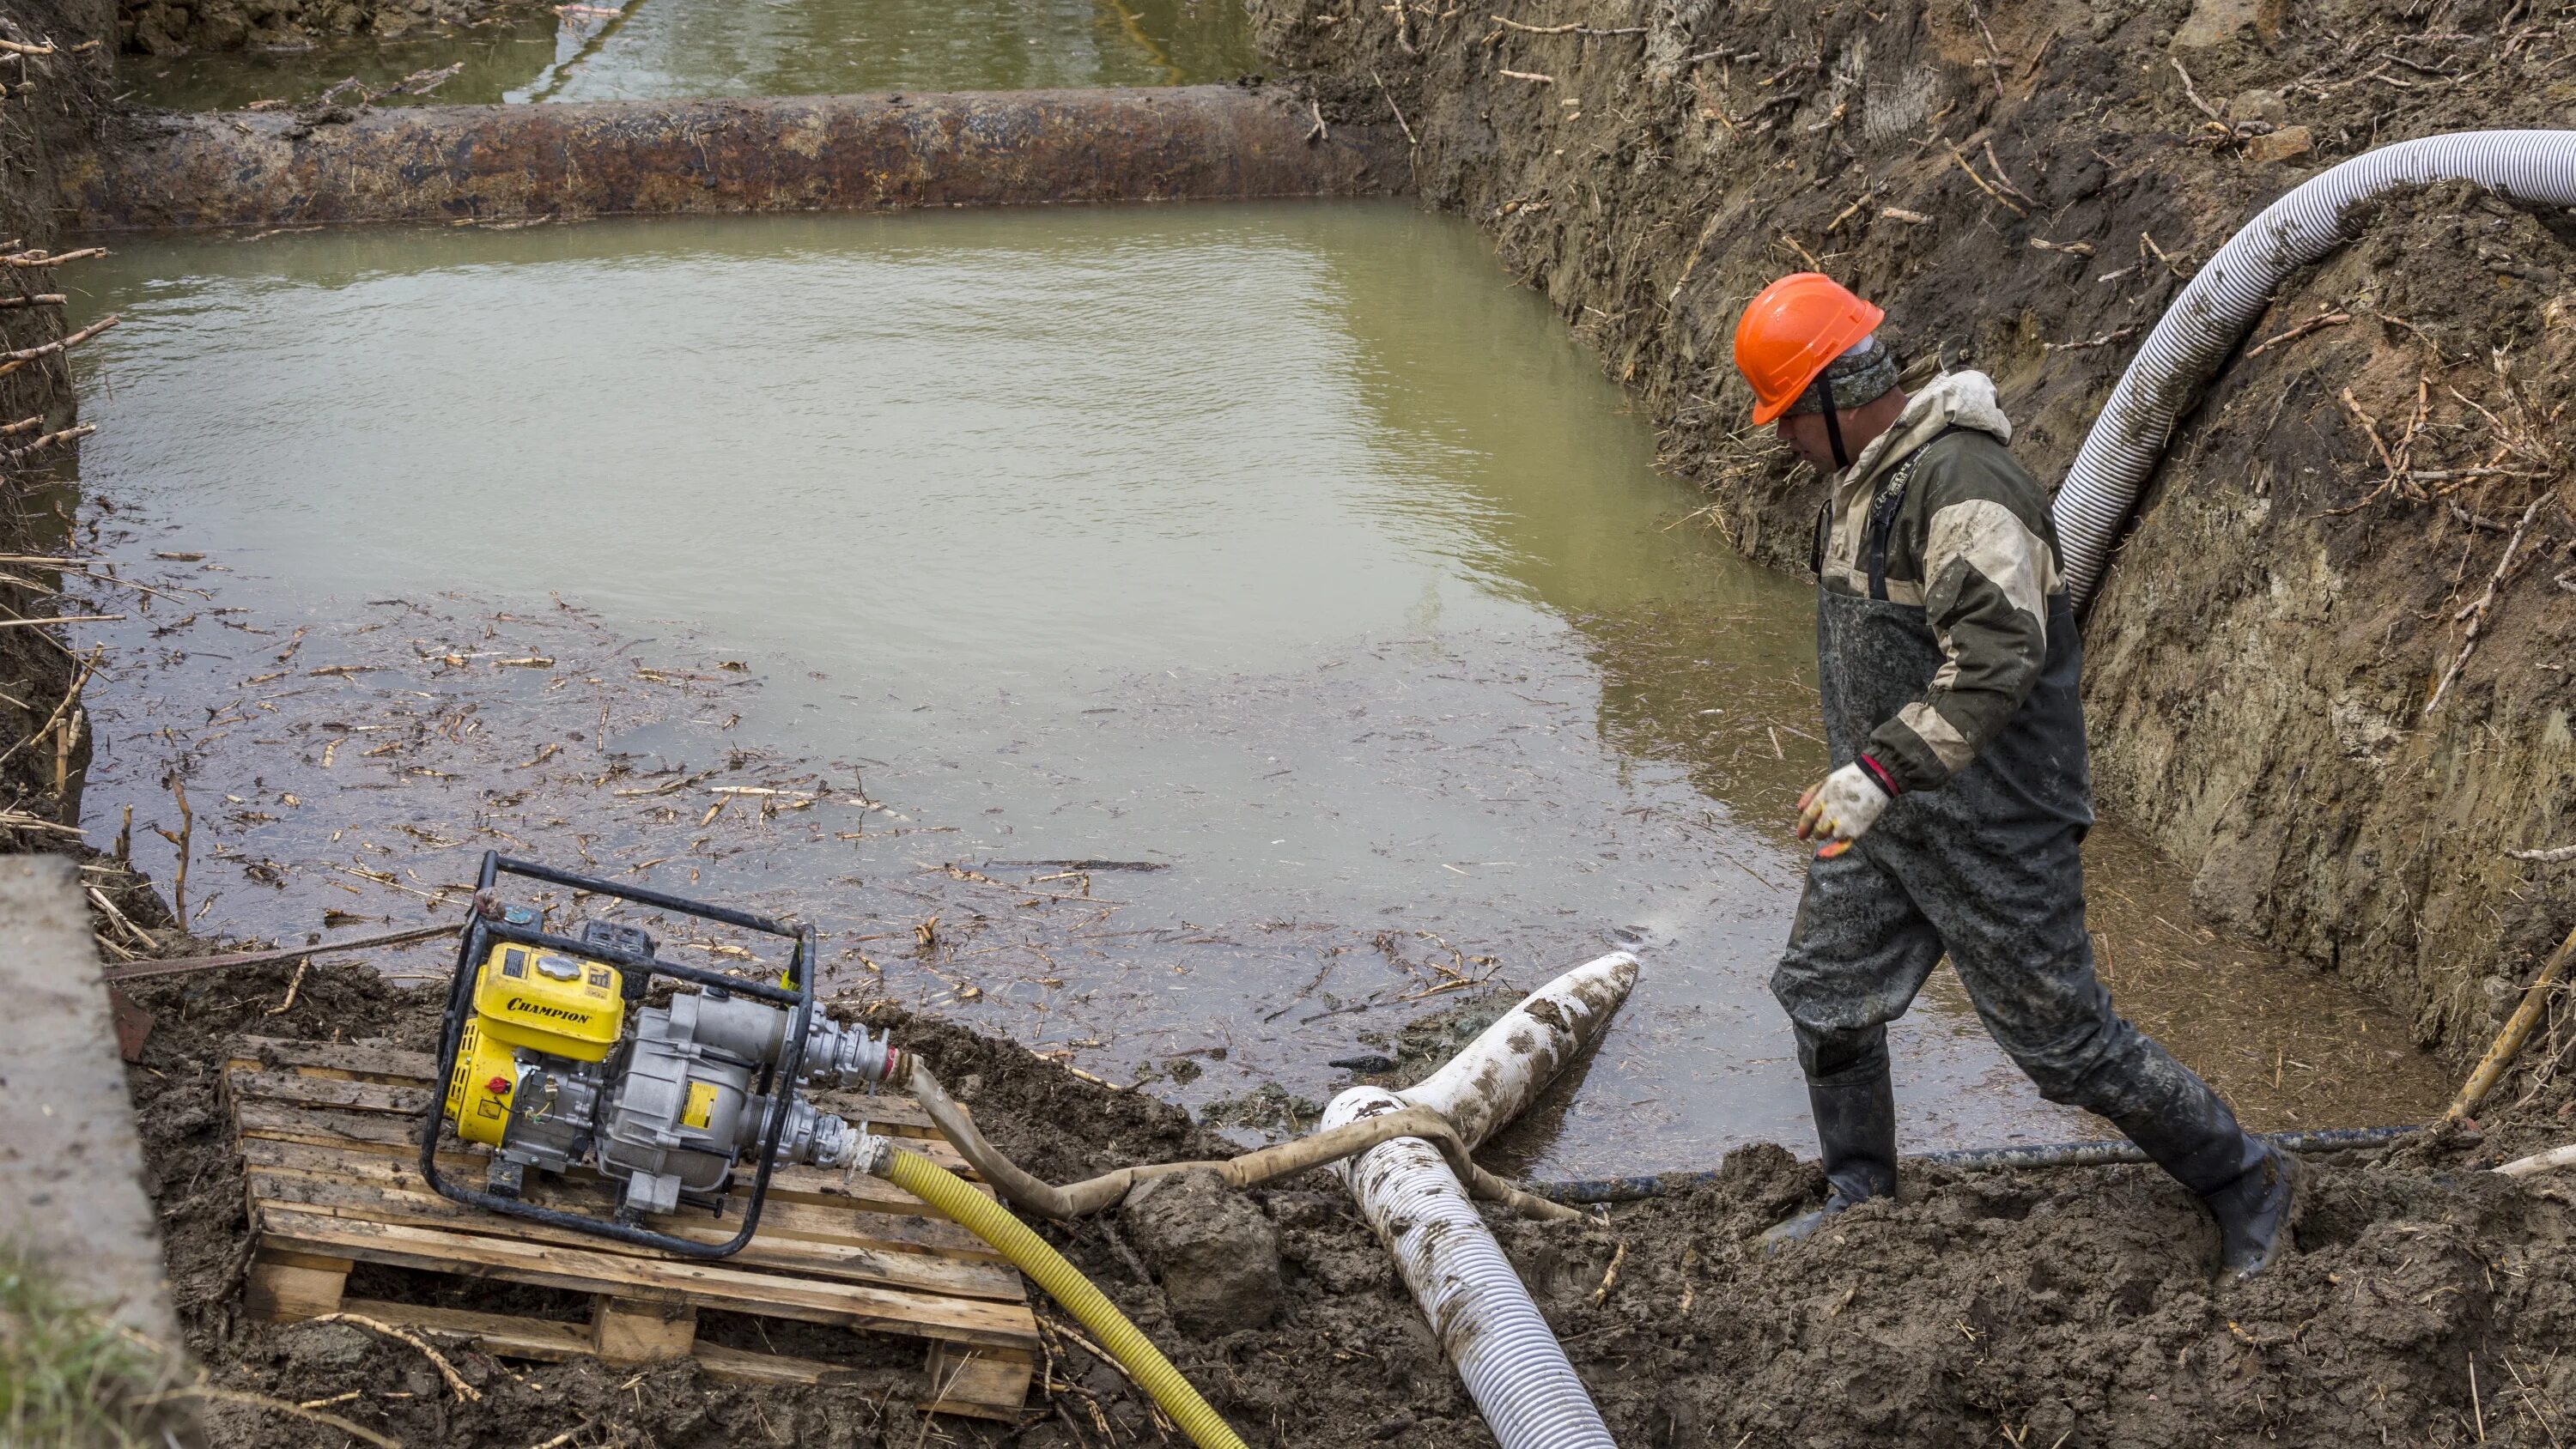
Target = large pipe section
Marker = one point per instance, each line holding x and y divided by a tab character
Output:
788	153
1502	1347
2205	323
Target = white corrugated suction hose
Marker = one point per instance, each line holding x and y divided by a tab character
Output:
2206	322
1508	1357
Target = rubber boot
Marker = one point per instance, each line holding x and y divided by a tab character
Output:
2249	1186
2254	1215
1856	1127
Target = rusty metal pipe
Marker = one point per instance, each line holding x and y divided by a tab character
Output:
789	153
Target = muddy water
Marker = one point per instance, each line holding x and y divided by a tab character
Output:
1195	642
666	49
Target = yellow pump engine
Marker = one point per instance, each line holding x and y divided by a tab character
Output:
553	1060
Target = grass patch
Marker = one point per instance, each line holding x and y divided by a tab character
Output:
69	1379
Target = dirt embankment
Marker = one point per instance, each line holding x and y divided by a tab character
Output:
2024	186
171	27
2431	1305
54	74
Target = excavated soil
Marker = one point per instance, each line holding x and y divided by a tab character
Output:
175	27
51	99
2068	1308
2024	186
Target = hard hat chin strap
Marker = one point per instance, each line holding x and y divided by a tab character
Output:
1824	392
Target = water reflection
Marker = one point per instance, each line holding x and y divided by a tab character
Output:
670	49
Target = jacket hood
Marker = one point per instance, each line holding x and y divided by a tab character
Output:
1952	400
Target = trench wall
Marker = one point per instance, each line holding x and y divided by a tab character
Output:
2023	186
50	112
172	27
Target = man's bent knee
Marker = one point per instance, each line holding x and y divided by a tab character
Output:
2086	1067
1833	1056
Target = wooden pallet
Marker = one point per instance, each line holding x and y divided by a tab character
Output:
329	1142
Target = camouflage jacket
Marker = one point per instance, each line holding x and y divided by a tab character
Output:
1966	539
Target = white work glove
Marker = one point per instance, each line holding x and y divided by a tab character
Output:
1841	809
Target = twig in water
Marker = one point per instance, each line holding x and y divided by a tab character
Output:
187	832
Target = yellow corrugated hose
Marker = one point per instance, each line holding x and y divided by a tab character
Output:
988	1220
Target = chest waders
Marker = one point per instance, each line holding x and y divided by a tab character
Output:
1987	869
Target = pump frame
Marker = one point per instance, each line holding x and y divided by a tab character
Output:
778	1080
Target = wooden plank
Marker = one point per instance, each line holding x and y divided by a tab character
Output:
352	1100
857	1261
389	1137
743	1366
839	1220
1001	1325
546	1341
284	1287
335	1057
987	1382
631	1331
497	1333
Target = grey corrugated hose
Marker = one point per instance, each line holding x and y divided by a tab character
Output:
1496	1338
2211	316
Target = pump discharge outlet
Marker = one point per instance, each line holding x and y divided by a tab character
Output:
554	1063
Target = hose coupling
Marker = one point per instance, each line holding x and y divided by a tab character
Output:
865	1151
852	1055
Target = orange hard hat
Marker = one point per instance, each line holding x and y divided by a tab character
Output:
1790	331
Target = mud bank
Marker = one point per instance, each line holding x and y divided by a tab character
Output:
2024	186
171	27
54	80
2068	1308
610	158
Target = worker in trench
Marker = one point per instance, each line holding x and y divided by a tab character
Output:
1953	818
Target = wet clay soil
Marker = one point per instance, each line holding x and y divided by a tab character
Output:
2066	1308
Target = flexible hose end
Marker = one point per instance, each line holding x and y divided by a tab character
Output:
869	1153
